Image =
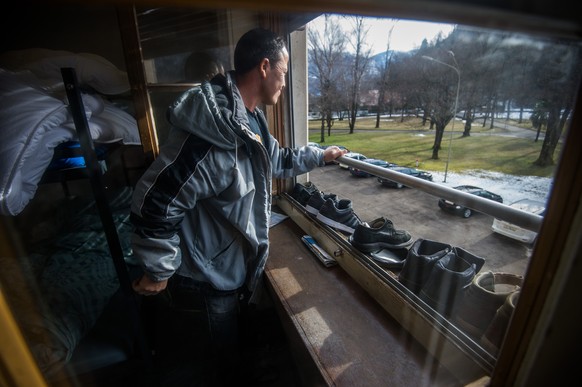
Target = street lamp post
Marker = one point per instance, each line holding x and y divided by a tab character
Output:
458	72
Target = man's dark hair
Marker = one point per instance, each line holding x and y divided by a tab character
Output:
254	46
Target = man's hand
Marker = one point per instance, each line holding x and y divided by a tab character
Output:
146	287
333	152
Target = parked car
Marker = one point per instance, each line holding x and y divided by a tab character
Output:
352	155
380	163
511	230
407	171
465	212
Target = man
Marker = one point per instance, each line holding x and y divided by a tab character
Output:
201	211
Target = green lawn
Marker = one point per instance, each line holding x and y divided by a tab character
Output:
391	142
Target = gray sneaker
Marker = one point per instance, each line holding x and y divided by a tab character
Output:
379	234
317	200
339	215
302	192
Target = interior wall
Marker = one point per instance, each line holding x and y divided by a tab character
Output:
92	29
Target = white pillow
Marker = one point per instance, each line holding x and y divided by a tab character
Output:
91	69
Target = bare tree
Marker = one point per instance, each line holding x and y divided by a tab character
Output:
383	78
556	78
407	85
325	51
360	65
443	83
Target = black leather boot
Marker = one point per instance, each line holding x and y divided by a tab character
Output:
449	277
422	256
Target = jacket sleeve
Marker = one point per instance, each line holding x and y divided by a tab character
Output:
155	241
289	162
172	185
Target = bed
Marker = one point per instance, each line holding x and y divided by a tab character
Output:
77	260
34	119
63	284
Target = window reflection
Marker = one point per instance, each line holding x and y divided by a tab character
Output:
169	37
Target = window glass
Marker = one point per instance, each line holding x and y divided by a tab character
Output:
481	111
176	42
182	46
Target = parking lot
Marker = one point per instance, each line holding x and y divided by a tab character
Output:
418	213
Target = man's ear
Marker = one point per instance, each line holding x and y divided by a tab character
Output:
264	66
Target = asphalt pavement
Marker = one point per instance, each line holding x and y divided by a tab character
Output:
418	213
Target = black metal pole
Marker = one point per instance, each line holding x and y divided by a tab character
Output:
95	177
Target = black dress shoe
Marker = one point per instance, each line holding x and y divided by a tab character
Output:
379	234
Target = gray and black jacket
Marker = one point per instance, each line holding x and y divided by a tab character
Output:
202	208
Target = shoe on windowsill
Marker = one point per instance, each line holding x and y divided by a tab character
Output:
391	259
422	256
483	298
302	192
450	279
379	234
317	200
339	216
493	337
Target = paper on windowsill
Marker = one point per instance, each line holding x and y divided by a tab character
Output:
276	218
318	251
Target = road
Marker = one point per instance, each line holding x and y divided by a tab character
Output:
418	213
504	129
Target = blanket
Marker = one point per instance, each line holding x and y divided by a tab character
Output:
34	118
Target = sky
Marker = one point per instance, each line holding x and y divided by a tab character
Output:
406	35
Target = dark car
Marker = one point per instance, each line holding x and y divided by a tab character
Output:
377	162
465	212
407	171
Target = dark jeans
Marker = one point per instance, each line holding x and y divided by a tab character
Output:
208	308
202	334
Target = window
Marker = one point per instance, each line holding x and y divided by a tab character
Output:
439	82
430	125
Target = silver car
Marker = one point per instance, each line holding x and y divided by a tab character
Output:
511	230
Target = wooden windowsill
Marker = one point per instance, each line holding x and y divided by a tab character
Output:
349	338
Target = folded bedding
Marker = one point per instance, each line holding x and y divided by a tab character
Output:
35	118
